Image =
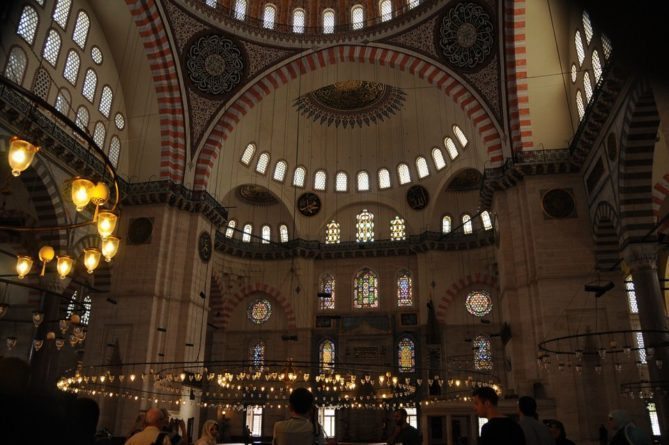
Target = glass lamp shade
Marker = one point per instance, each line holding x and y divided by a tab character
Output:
110	247
91	259
64	266
4	307
99	194
106	224
81	193
38	318
21	155
23	266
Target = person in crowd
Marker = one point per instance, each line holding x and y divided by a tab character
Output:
404	433
209	433
556	429
298	429
623	431
499	430
83	415
536	433
151	434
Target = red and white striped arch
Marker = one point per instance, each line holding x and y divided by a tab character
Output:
460	285
313	61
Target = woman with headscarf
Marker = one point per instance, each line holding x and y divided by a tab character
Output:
556	429
623	431
209	433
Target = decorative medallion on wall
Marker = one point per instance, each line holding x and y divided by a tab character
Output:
204	246
418	197
256	195
259	311
559	203
466	36
215	64
478	303
309	204
351	103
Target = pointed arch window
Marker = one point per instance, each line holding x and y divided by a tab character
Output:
326	357
404	289
62	12
106	101
332	233
257	355
114	150
327	286
404	174
364	227
467	224
446	224
28	24
42	83
482	353
52	47
486	220
266	234
283	233
341	182
320	180
298	21
99	134
596	66
248	153
384	179
16	65
406	355
580	51
230	229
90	84
246	233
63	101
263	162
269	16
460	135
421	166
587	86
451	149
299	176
438	158
587	27
81	27
280	171
397	229
240	9
357	17
82	118
328	21
363	181
579	105
386	9
365	290
71	70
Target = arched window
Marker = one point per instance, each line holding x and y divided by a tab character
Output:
299	176
240	9
211	3
28	24
16	65
365	290
263	162
579	105
587	86
71	70
326	357
298	21
62	12
96	55
421	166
596	66
119	120
283	233
486	220
451	149
482	353
114	150
51	47
580	51
341	182
99	134
446	224
246	235
406	355
106	101
248	153
357	17
397	229
438	158
631	295
266	234
269	16
332	233
230	229
413	3
607	47
257	355
363	181
327	290
81	27
86	316
328	21
467	224
320	180
574	73
386	9
63	101
82	118
460	135
587	27
280	171
404	174
404	289
90	84
384	179
364	227
42	83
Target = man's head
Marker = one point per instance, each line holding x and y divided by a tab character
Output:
527	406
154	417
400	416
301	401
485	401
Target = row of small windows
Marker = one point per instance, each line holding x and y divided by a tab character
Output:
29	21
265	232
466	220
365	290
404	175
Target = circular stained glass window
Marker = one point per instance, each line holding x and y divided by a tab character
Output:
478	303
96	55
259	311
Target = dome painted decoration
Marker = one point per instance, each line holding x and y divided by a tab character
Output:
214	64
466	36
351	103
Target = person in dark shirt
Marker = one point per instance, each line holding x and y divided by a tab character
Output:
499	430
404	433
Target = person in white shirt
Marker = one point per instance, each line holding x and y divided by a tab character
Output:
298	430
153	420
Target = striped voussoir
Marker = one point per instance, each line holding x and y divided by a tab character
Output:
606	237
223	308
456	290
636	166
520	124
163	70
320	59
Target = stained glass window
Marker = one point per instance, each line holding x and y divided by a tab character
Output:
28	24
114	150
106	101
386	8
438	158
363	181
397	229
384	179
266	234
404	174
240	9
248	153
298	21
451	148
580	51
283	233
82	118
263	162
71	70
280	171
246	235
259	311
16	65
467	224
61	12
80	34
579	105
90	83
320	180
478	303
596	66
587	27
327	286
269	17
406	355
332	233
421	166
257	355
230	230
341	182
299	176
486	220
446	224
460	135
99	134
482	353
326	357
631	295
587	86
357	17
404	289
51	47
328	21
364	227
365	290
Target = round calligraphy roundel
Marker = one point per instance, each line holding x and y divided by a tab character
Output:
418	197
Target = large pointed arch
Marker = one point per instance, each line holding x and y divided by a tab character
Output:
227	306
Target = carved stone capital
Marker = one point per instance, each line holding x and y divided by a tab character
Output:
641	256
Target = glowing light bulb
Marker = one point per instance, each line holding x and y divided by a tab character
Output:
91	259
64	266
21	154
81	193
23	266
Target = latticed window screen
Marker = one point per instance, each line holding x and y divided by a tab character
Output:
580	106
299	176
386	7
404	174
266	234
364	227
82	118
438	158
607	47
230	230
283	233
298	21
365	290
263	162
363	181
119	120
631	295
106	101
574	73
327	286
406	355
96	55
357	17
28	24
482	353
71	70
114	151
446	224
51	47
246	233
404	289
16	65
63	101
248	153
580	50
397	229
596	66
587	27
99	134
384	179
328	21
587	86
81	27
269	17
460	136
341	182
240	9
326	357
451	148
42	84
62	12
486	220
467	224
280	171
421	167
332	233
320	180
90	83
